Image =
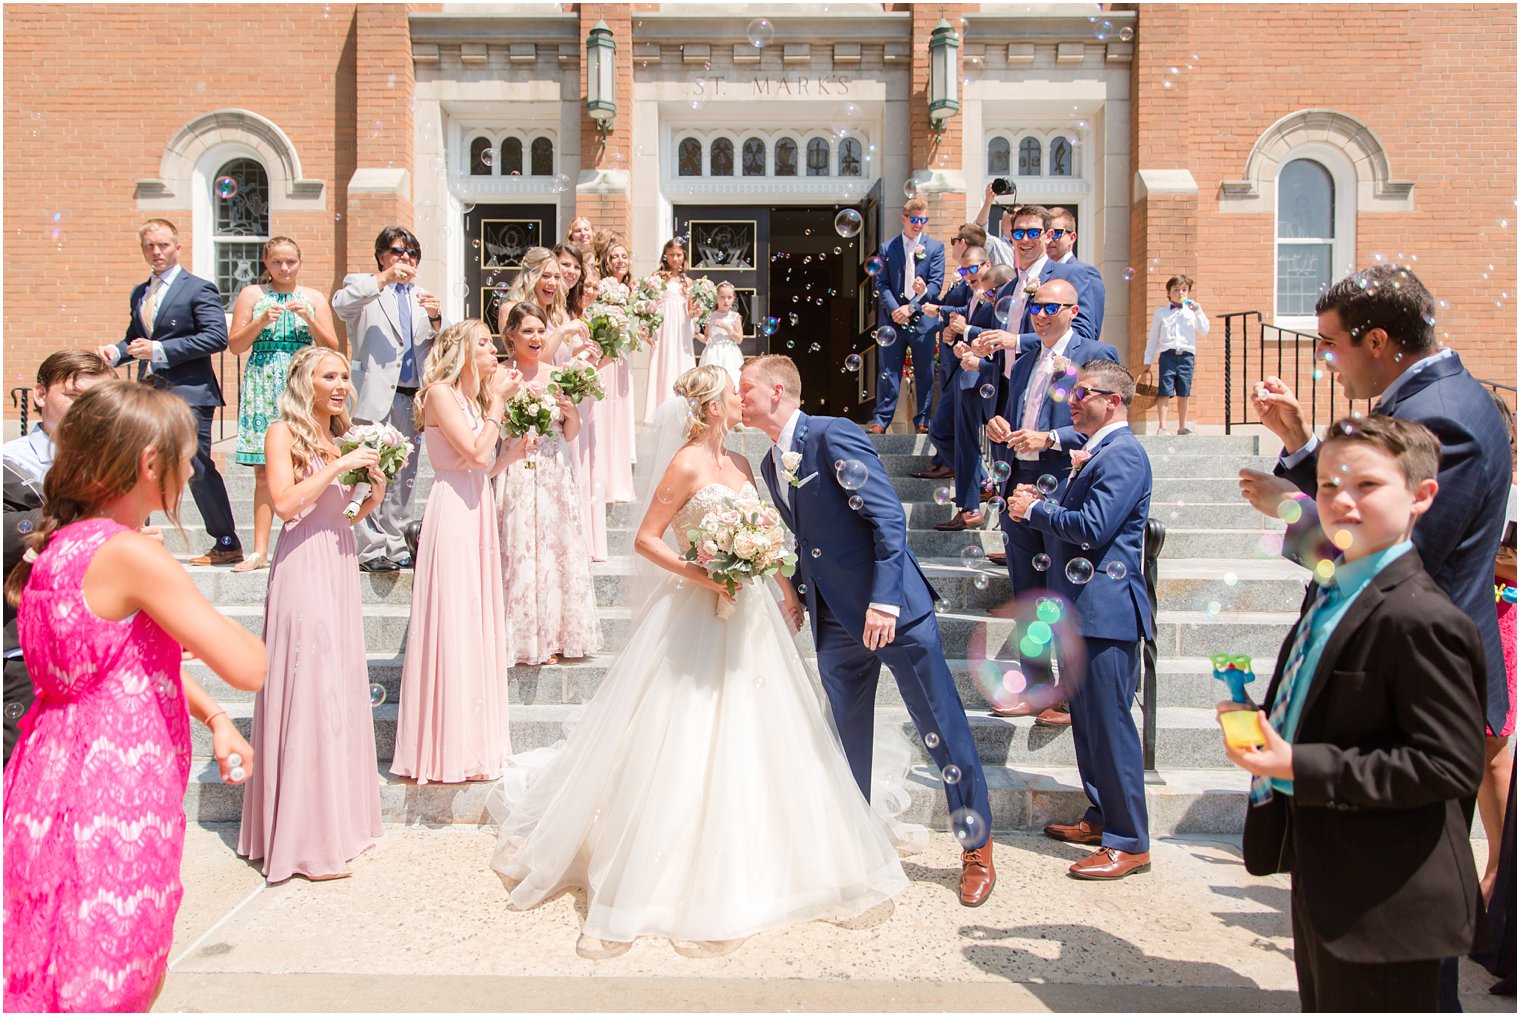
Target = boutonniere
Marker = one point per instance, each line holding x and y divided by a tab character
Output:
918	254
789	463
1031	287
1059	365
1078	460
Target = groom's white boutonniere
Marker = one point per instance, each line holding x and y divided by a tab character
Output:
1060	365
789	463
919	254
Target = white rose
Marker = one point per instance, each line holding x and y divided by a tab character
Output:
709	547
744	544
790	461
725	539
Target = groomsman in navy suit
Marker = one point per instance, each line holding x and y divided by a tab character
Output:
867	599
1059	241
177	324
1094	534
913	255
957	298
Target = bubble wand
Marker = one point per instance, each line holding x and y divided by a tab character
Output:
1242	729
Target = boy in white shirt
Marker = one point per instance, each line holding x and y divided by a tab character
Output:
1174	335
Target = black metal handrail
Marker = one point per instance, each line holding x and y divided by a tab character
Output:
21	397
1255	348
1155	539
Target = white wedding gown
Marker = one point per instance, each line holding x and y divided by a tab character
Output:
704	795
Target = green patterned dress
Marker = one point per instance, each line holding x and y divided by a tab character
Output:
264	376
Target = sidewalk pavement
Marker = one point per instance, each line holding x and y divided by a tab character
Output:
423	926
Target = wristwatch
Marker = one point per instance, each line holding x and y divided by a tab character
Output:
1055	440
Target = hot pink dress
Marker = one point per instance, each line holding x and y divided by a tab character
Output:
313	803
94	796
451	724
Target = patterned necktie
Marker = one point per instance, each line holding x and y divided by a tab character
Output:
1261	786
150	304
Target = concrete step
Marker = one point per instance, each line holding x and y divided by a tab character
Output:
1179	801
1186	682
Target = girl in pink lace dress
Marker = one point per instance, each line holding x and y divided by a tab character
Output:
315	804
94	821
545	548
452	722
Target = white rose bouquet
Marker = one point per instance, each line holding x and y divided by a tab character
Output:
577	380
705	293
738	543
395	450
611	320
644	307
529	412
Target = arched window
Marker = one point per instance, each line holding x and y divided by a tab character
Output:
480	157
786	157
1029	157
849	157
1305	236
689	157
818	157
240	199
997	157
542	155
511	157
1060	157
721	158
754	157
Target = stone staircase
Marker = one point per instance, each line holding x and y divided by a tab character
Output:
1222	587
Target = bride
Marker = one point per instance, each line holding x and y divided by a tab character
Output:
704	795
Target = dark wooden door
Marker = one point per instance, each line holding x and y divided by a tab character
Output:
495	239
729	243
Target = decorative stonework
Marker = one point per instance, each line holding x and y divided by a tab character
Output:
288	190
1376	190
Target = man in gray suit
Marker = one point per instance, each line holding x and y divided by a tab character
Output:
391	326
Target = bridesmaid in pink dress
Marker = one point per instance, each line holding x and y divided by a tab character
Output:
674	352
315	804
546	553
614	414
574	271
94	822
452	721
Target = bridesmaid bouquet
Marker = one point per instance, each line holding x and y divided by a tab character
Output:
577	381
528	412
611	320
645	307
705	293
739	542
394	451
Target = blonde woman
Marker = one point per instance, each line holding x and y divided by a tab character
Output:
542	284
615	414
580	233
452	721
314	804
575	272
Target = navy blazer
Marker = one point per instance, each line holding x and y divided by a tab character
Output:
1083	324
1459	537
1100	516
1090	292
192	326
890	282
1053	415
862	555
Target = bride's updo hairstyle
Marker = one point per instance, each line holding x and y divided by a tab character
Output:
701	387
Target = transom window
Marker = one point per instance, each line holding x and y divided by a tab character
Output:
714	157
240	201
511	155
1033	153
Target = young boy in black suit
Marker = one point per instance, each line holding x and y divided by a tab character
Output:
1371	753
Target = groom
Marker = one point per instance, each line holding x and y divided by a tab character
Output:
868	600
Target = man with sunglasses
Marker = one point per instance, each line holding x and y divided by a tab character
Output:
391	326
1059	242
960	292
1034	432
1094	531
909	257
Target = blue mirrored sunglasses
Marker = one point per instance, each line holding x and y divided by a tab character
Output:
919	220
971	270
1033	234
1048	308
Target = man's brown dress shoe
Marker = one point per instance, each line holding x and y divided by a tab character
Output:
1014	709
934	473
977	876
876	428
214	556
961	520
998	558
923	428
1058	715
1106	863
986	494
1078	832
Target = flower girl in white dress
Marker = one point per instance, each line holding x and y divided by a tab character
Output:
725	333
704	795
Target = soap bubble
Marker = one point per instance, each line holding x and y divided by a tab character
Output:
943	495
857	502
24	526
817	553
951	774
886	335
487	156
848	222
970	828
875	265
14	710
1116	570
1289	510
979	580
972	554
1079	571
561	184
987	392
376	695
852	474
852	362
1047	484
1001	471
931	740
1041	562
1126	34
1002	309
226	187
760	33
910	189
769	325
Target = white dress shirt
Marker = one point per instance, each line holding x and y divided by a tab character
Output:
909	245
1020	299
1176	330
159	358
32	454
1039	384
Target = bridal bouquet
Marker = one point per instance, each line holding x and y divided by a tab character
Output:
645	307
528	412
705	293
577	380
394	451
611	320
739	542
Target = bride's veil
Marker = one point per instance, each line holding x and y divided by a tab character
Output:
658	445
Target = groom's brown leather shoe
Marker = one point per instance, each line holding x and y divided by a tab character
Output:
977	876
1107	863
1081	831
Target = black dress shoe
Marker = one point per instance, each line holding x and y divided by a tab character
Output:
379	564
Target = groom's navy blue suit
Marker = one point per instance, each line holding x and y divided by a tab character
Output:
862	557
